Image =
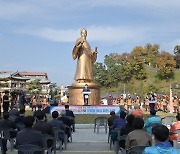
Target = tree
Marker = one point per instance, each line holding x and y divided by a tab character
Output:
112	64
53	90
177	56
125	68
34	87
3	82
137	62
166	65
151	54
100	74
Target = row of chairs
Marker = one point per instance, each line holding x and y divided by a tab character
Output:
102	122
60	137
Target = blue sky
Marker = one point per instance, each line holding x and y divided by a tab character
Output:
38	35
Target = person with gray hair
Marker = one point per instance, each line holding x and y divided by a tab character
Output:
137	112
14	111
66	121
63	113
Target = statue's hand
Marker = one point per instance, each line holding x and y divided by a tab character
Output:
94	52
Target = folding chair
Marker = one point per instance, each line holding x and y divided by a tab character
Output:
116	143
70	131
100	121
30	149
116	131
72	121
1	146
168	120
109	134
45	139
20	126
136	149
60	136
6	134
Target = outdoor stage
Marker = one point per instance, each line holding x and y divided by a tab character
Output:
88	109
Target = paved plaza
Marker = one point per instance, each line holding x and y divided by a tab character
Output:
85	141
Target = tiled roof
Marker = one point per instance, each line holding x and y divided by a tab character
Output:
33	73
4	74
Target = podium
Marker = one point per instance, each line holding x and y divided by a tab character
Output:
86	96
76	96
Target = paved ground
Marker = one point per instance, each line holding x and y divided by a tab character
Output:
85	141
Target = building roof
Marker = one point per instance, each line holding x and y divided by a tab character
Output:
16	75
30	76
5	74
33	73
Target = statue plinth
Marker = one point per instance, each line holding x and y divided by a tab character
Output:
76	97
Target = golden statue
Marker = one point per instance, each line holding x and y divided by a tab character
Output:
86	59
84	73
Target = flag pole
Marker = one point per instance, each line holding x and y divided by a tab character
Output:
171	101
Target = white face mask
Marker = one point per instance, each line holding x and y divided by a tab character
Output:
86	87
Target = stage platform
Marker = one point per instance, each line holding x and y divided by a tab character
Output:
88	109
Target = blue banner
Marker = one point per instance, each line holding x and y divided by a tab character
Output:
88	109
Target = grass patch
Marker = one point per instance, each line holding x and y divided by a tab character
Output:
89	119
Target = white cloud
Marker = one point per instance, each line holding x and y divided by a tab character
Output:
95	33
11	10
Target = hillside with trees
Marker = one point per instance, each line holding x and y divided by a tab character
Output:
143	70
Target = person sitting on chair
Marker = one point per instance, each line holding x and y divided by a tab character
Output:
120	122
42	126
7	124
20	118
69	112
127	129
152	120
111	119
14	112
39	106
137	112
174	127
71	116
66	121
162	146
138	137
29	135
55	123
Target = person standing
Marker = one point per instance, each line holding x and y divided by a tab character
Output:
34	103
152	102
129	103
22	101
122	103
6	101
176	104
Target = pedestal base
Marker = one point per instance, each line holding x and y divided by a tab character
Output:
76	96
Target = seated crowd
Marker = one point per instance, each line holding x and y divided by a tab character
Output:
34	127
151	132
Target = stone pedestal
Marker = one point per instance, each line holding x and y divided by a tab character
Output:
76	97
